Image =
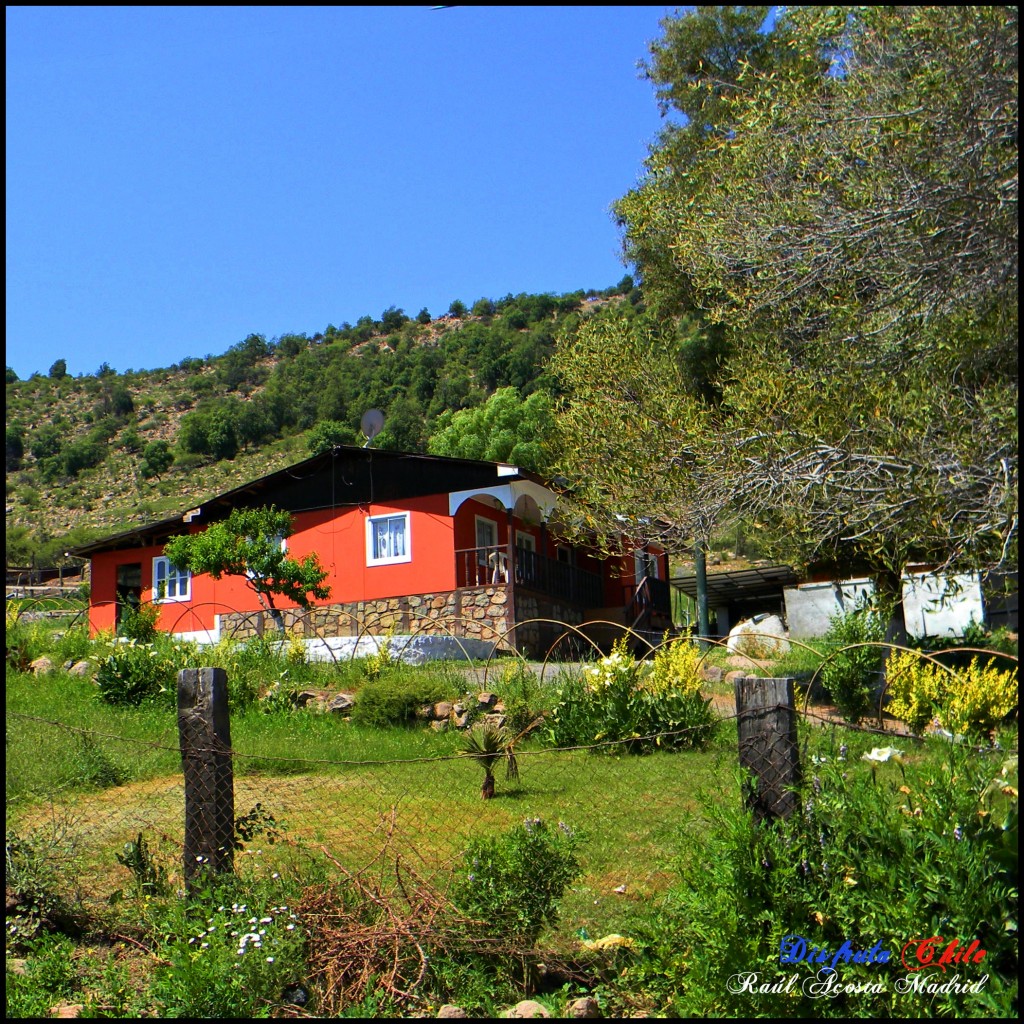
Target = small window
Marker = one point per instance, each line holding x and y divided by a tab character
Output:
169	582
486	537
387	539
526	541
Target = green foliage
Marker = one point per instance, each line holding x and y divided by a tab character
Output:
139	623
227	953
41	865
487	744
59	370
506	428
327	434
852	676
643	705
92	766
135	673
512	883
49	978
249	544
150	877
925	836
969	701
395	696
157	458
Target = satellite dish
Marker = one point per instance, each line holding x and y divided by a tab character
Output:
371	424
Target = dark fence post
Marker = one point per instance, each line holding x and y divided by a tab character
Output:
205	736
766	716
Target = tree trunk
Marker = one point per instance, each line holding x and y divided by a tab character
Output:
487	789
889	590
700	568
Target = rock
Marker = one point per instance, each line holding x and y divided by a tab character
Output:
731	677
461	721
341	703
712	674
763	636
304	698
425	713
443	711
440	725
487	700
41	666
67	1010
582	1008
527	1008
450	1010
81	668
495	721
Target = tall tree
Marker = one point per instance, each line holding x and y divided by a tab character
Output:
639	452
850	223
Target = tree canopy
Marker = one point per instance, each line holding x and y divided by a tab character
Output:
250	544
841	203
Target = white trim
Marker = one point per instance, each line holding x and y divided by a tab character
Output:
182	577
531	541
406	555
508	495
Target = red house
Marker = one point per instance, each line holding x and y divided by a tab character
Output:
412	544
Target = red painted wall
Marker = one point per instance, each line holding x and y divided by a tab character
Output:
340	541
339	538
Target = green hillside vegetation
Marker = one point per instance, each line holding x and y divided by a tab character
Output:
98	453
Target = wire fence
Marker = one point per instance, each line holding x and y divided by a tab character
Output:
235	807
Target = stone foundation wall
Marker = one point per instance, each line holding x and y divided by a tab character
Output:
536	638
477	613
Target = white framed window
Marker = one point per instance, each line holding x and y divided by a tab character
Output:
526	541
387	539
486	537
169	582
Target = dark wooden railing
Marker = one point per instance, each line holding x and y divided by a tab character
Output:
480	567
649	597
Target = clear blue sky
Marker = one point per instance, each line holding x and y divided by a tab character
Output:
178	178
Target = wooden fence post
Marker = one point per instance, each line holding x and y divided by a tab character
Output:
766	716
204	733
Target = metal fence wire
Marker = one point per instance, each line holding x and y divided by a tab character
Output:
143	812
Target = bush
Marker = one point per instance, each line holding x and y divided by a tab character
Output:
512	883
970	701
133	673
227	953
851	676
395	696
939	842
647	704
139	623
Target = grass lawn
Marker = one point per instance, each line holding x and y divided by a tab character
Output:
304	771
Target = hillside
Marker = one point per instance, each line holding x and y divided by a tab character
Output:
95	454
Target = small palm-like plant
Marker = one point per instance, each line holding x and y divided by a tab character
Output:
487	744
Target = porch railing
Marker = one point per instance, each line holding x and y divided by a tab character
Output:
487	566
649	597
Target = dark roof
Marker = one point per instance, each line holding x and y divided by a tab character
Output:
731	585
343	477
